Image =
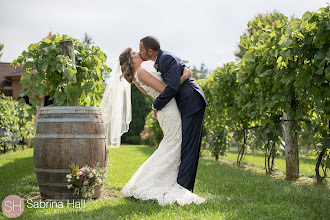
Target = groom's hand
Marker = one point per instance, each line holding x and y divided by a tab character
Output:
154	111
155	114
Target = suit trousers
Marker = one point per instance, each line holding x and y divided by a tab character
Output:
191	143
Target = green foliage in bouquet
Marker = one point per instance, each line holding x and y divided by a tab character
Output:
48	72
83	180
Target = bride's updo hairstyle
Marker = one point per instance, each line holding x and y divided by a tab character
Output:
126	63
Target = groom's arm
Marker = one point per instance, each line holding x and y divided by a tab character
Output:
172	73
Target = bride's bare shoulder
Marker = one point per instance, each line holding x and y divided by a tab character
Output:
142	73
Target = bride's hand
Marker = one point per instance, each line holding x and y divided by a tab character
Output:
187	73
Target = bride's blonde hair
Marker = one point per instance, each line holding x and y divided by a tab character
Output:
126	63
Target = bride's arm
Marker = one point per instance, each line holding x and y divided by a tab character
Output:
150	80
187	73
157	85
139	87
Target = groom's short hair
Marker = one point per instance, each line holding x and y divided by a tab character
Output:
151	42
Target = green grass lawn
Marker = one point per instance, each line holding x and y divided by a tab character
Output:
257	158
232	193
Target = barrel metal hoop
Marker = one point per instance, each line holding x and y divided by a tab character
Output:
62	120
68	111
52	170
77	108
53	184
71	136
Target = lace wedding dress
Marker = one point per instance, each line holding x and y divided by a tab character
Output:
156	179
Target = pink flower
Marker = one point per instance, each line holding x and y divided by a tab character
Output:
81	172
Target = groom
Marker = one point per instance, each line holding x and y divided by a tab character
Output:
190	99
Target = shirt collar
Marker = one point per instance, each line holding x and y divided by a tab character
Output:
158	55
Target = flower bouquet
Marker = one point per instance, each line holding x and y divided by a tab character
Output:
83	180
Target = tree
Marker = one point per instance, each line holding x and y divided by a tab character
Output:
14	121
249	32
1	48
141	106
282	81
198	73
64	79
220	88
152	133
315	27
88	40
271	68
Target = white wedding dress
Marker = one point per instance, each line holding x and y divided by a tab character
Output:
156	179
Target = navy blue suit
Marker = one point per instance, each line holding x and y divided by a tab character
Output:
191	102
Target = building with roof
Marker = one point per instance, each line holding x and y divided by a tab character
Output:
10	81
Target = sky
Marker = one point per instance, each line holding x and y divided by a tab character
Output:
205	31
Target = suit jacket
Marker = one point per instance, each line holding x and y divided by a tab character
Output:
189	96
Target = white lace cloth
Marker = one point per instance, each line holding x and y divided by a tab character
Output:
156	179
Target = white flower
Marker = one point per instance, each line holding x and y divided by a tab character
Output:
70	186
98	180
90	175
68	176
77	177
85	182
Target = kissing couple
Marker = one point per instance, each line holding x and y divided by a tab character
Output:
168	175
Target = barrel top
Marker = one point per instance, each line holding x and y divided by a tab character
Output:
73	109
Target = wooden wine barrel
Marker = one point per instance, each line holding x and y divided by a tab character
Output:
65	135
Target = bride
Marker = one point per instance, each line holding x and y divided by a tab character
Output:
156	179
